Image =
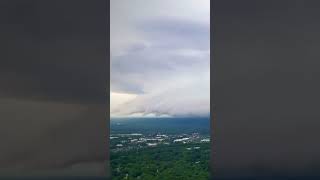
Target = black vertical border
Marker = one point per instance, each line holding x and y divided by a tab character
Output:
108	89
212	94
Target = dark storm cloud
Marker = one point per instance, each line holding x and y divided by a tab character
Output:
53	86
266	87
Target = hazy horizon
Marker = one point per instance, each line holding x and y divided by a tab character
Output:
158	117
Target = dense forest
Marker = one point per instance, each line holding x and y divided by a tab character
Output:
167	162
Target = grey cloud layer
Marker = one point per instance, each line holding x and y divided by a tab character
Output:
174	55
177	33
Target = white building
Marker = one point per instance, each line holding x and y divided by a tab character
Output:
180	140
205	140
152	144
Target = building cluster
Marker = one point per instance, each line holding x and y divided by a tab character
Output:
120	142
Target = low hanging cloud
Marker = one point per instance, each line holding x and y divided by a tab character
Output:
169	72
173	102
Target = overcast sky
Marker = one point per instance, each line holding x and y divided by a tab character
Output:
160	58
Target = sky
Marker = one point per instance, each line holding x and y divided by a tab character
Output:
160	58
